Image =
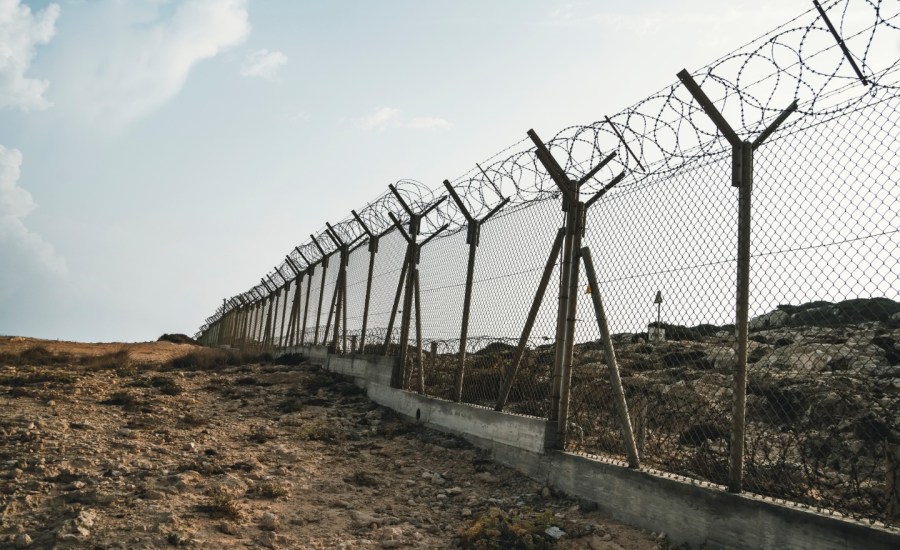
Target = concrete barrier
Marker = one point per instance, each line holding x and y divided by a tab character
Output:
697	513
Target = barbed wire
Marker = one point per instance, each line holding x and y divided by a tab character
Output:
800	60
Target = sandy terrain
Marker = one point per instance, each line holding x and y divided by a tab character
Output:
113	452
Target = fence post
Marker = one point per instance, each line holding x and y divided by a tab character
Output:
251	322
274	329
287	292
407	302
568	284
274	297
571	311
420	365
243	334
353	344
312	271
321	291
742	178
413	253
339	302
473	238
254	323
295	303
268	326
373	249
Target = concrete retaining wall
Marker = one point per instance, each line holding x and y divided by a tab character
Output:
698	514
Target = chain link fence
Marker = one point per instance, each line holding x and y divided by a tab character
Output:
773	369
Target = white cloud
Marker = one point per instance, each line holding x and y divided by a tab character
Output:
129	58
389	117
20	31
426	122
263	64
16	203
381	118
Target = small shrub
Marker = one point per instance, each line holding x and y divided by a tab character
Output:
362	479
261	435
221	504
191	420
117	360
496	529
320	431
206	359
291	405
36	378
270	489
127	401
165	385
178	339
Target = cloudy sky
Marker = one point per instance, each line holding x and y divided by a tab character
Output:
159	155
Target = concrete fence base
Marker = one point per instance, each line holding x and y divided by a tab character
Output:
697	513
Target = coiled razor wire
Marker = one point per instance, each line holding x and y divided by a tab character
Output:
798	60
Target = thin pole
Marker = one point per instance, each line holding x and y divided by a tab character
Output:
292	319
393	317
561	312
365	319
275	319
421	365
344	302
402	369
268	329
321	296
287	290
609	353
335	296
736	474
571	312
513	368
306	305
254	324
467	304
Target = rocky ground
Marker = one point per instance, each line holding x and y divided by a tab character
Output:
159	445
823	401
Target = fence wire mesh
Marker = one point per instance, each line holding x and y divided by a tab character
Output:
822	423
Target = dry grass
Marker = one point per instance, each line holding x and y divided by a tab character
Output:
221	504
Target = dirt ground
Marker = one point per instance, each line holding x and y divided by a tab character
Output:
126	449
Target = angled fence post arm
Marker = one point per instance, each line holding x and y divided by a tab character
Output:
625	143
513	368
610	356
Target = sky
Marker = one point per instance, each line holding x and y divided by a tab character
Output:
157	156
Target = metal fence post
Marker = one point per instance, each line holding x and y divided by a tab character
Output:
413	251
742	178
568	281
321	291
373	249
473	239
312	270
